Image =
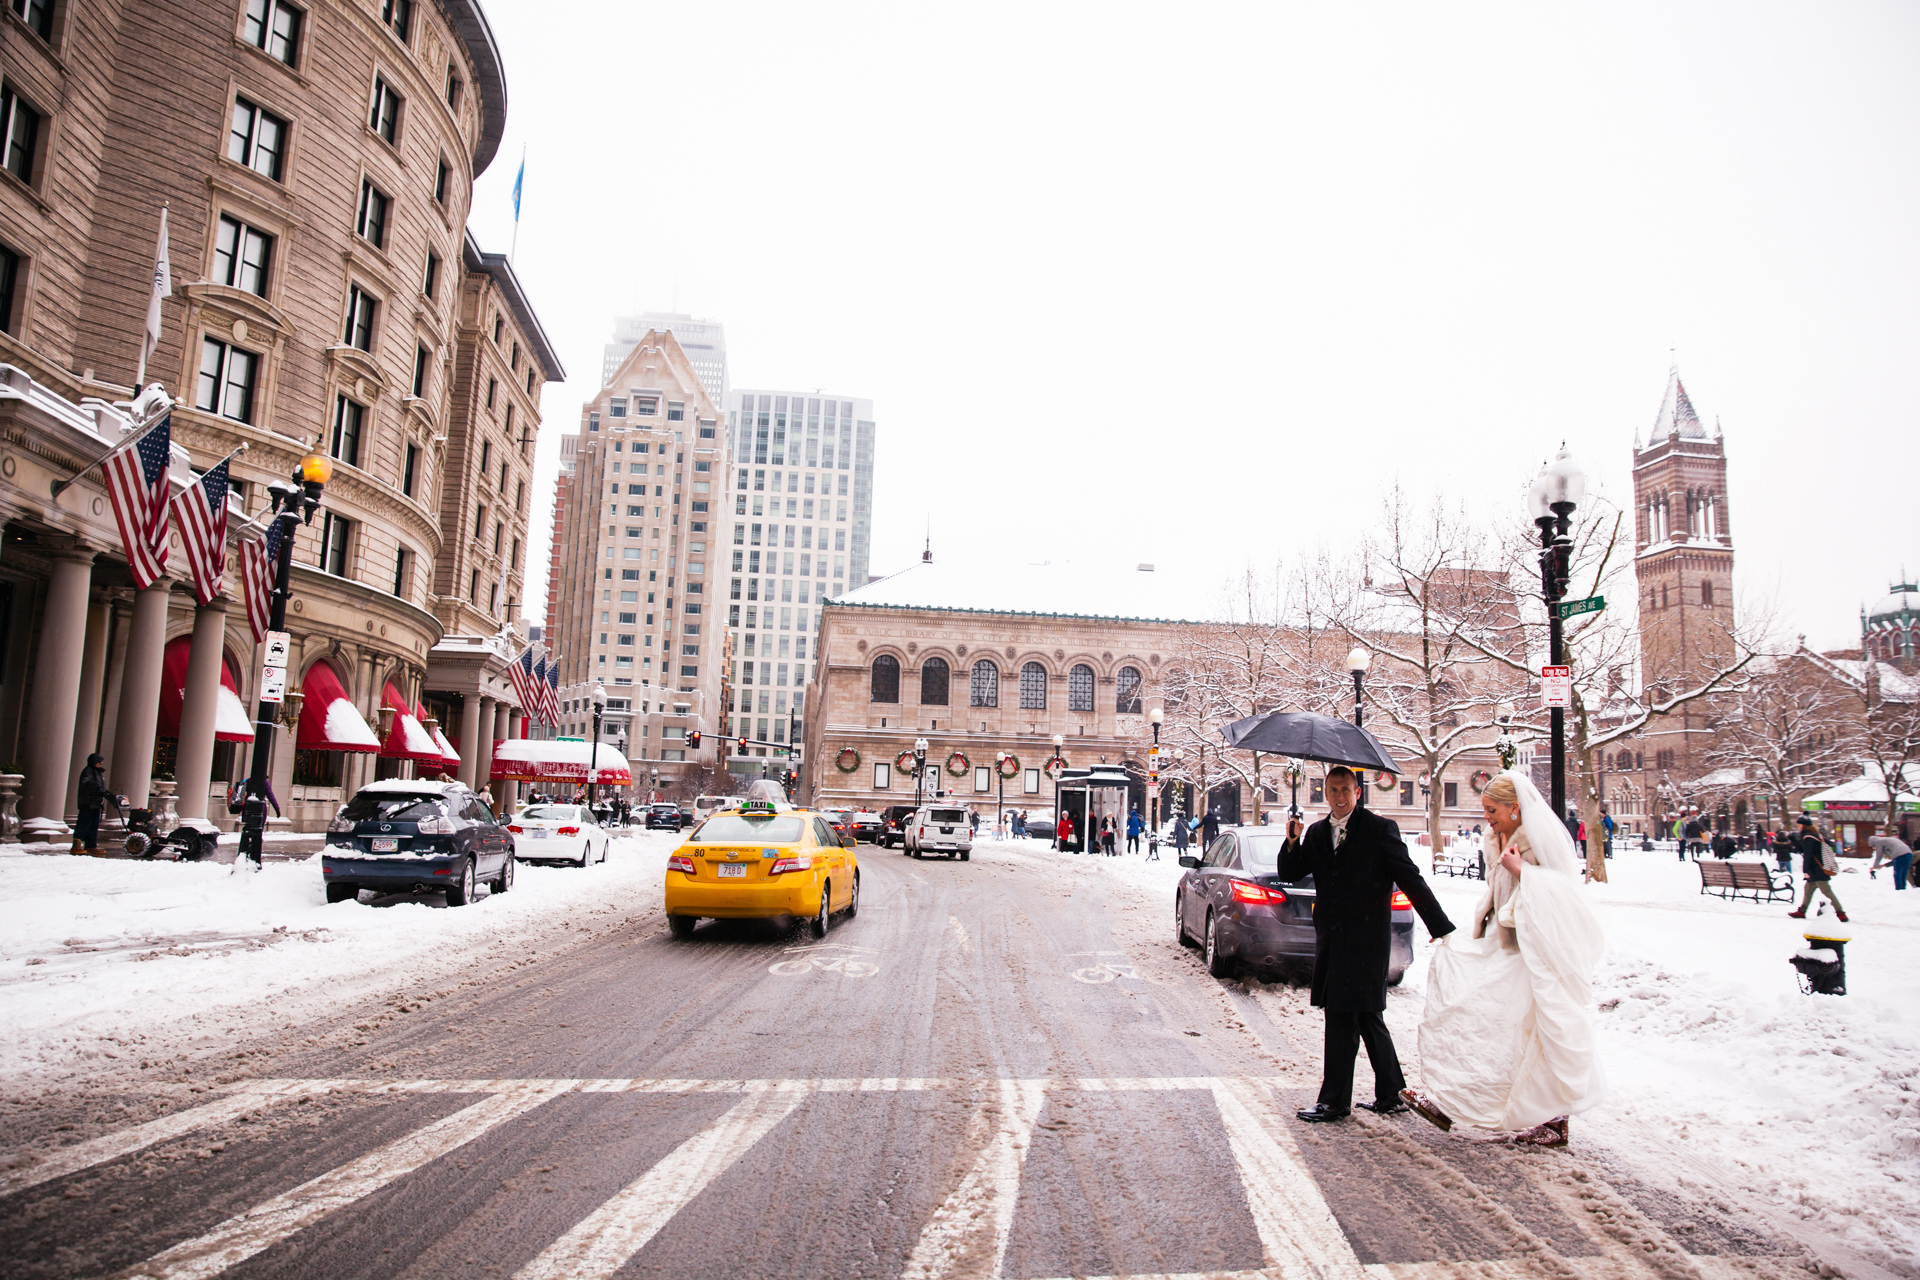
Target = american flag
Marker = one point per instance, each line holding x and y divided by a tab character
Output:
202	514
553	692
259	560
137	486
522	673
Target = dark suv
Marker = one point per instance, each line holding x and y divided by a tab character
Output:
664	816
894	820
402	834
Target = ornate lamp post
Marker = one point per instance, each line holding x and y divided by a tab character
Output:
599	700
1551	502
1357	660
1154	717
293	505
919	771
1000	800
1505	746
1056	767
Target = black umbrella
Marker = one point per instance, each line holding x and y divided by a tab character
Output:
1308	736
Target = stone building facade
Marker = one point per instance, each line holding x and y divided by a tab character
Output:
316	164
640	599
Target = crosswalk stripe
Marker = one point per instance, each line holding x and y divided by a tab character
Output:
985	1198
81	1155
259	1228
606	1239
1296	1227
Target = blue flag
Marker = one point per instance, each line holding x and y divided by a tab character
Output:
518	178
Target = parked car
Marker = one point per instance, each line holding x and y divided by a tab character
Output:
762	861
940	829
406	834
664	816
893	826
1233	902
868	825
558	832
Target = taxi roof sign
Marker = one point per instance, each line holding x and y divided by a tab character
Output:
758	806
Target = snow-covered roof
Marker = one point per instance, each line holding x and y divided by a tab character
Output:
1859	790
1894	683
1059	589
413	787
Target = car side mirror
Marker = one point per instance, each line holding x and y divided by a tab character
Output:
848	842
1189	862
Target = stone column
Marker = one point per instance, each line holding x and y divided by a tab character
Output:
503	792
469	735
199	707
516	727
130	772
119	617
56	688
86	716
483	746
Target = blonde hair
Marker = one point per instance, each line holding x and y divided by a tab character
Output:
1502	791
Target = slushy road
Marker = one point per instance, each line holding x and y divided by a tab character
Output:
995	1069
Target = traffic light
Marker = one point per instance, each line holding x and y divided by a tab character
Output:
693	740
742	745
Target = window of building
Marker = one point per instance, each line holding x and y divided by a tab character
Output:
334	533
617	407
397	16
241	255
372	221
1080	688
882	775
986	684
384	117
257	139
1033	687
886	678
499	323
1406	794
227	380
420	358
11	267
440	177
676	411
402	572
515	361
348	418
933	682
408	472
1127	692
37	14
1706	592
361	306
453	86
430	283
274	26
19	135
1450	794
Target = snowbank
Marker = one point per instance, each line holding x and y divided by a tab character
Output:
109	958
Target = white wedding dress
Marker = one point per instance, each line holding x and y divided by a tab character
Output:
1506	1039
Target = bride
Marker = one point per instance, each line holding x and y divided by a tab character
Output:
1506	1043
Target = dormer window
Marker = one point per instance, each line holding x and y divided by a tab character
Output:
617	407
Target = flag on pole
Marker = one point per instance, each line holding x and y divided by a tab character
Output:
259	561
522	673
162	288
136	479
201	511
553	692
518	178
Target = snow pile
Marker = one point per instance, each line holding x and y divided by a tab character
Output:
108	958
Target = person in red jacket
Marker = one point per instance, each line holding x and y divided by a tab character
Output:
1064	832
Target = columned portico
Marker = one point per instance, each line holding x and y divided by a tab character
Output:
130	773
86	716
199	709
56	688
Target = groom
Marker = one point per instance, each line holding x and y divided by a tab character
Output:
1356	860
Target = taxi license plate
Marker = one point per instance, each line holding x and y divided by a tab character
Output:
386	846
733	870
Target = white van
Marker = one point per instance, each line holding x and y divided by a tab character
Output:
940	829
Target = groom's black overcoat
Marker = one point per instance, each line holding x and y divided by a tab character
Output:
1353	907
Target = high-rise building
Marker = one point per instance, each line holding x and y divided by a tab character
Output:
802	517
637	602
703	341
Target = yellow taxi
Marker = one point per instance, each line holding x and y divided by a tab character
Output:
762	860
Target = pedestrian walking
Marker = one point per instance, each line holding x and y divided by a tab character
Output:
93	796
1817	865
1606	824
1135	825
973	824
1209	828
1783	849
1020	824
1063	834
1106	835
1895	851
1179	837
1357	860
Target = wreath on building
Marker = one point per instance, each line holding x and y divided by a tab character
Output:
903	763
1383	780
1010	766
958	764
1479	781
848	760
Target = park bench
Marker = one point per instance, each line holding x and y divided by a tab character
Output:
1743	880
1450	862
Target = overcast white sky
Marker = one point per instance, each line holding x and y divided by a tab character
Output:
1195	284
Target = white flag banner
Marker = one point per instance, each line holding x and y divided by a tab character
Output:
162	288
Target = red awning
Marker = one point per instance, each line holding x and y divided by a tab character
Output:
230	718
328	721
537	760
408	741
449	758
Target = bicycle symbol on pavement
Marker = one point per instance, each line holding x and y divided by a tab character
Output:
1099	973
846	965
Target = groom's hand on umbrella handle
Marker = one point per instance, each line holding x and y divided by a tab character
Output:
1293	828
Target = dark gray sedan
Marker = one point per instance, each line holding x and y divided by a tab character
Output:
1233	903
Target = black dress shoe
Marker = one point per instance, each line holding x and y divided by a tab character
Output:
1320	1113
1394	1108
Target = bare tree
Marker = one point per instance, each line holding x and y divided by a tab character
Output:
1888	716
1789	728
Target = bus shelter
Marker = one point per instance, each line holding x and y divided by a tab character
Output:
1087	796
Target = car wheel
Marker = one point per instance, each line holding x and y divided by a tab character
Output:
505	880
966	857
681	926
1218	966
818	925
343	892
1393	979
853	903
460	893
1180	919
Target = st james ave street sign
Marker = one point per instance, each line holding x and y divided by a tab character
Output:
1574	608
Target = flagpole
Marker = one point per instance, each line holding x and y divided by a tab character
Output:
161	286
59	486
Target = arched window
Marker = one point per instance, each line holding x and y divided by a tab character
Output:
1080	688
1126	698
886	678
933	682
1706	592
986	684
1033	687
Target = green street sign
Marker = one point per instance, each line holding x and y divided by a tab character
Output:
1574	608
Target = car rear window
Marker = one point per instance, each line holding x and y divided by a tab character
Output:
945	815
1261	854
393	806
554	812
732	828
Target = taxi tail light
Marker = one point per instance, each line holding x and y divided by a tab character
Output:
798	863
1248	891
678	863
569	831
1401	902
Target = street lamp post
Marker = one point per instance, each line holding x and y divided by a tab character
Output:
293	505
593	753
919	771
1555	493
1055	767
1000	799
653	793
1293	772
1357	660
1154	717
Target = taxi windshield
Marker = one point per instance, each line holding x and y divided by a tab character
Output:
749	828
